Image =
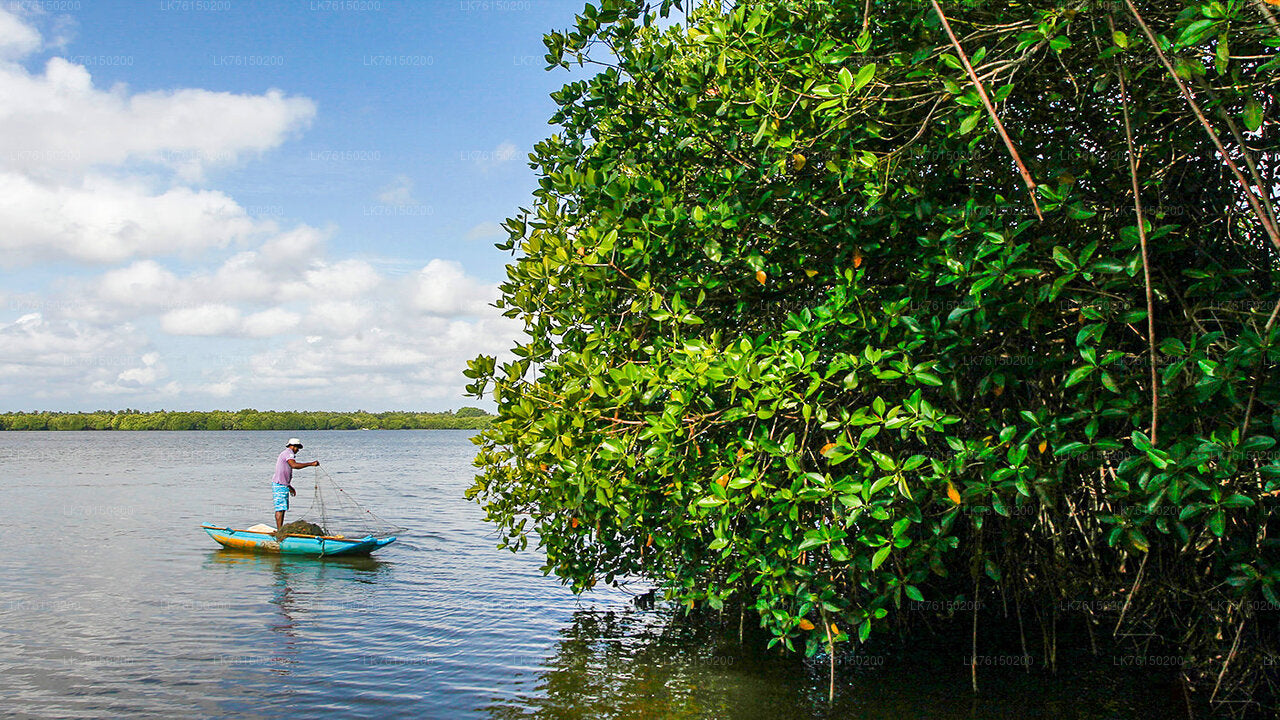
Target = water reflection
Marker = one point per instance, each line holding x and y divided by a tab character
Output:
642	664
298	587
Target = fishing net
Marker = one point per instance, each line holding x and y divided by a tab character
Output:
335	512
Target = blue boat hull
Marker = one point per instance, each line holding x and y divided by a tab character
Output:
313	545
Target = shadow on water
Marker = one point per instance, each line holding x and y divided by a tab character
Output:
636	664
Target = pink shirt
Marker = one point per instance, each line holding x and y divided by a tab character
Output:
284	473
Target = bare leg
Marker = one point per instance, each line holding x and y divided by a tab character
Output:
279	524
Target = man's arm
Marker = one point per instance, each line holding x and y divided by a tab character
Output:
298	466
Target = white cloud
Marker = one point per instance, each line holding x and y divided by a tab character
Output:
144	282
43	358
57	123
443	288
487	160
209	319
276	321
256	316
486	231
74	183
17	39
102	220
399	192
150	372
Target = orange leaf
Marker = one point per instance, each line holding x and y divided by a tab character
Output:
761	277
826	449
857	259
1044	445
834	630
798	161
649	542
953	493
999	390
805	624
573	522
722	480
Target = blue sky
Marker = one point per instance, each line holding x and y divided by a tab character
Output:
223	204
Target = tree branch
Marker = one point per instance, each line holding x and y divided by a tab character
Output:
1213	135
986	101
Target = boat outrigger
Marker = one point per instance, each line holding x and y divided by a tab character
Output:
313	545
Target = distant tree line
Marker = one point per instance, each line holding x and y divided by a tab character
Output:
467	418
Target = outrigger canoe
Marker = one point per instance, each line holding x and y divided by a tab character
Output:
314	545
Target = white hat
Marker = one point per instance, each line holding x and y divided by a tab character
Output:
294	441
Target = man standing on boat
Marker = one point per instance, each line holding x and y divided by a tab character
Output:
282	481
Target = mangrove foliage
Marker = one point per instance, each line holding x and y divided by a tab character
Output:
837	307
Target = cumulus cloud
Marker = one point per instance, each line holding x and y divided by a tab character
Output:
212	319
17	39
43	358
443	288
99	220
256	315
56	124
64	142
267	323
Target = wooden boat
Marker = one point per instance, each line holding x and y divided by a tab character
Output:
313	545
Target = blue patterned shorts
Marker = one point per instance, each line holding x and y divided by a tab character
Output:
281	495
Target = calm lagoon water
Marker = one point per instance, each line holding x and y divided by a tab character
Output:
113	603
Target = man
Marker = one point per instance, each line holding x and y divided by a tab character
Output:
282	481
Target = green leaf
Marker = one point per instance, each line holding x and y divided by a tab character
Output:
864	76
1079	374
879	557
1252	114
1195	32
1218	523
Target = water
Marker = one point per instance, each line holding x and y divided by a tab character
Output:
113	603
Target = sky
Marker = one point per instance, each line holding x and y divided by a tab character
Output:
224	204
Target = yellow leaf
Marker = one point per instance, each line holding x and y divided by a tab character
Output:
810	273
798	161
805	624
953	493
